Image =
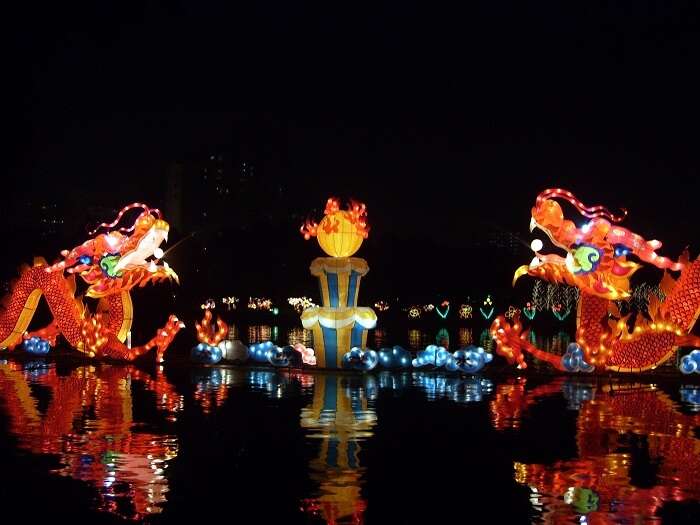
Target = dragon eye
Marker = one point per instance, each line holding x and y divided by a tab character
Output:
85	259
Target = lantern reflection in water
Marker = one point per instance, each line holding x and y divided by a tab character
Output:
89	424
261	333
300	335
457	389
636	452
213	385
465	337
379	337
417	339
341	419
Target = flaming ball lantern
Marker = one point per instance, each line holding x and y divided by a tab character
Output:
339	324
340	232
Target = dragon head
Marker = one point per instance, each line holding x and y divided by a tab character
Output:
594	257
119	260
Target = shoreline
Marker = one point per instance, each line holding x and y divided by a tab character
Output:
665	375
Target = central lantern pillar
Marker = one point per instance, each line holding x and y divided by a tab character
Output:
339	324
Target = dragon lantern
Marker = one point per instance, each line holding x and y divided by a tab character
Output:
111	263
595	261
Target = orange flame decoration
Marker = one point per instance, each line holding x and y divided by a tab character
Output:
308	229
205	331
357	214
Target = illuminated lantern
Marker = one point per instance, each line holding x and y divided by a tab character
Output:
341	232
468	360
382	306
205	330
530	310
445	309
307	354
284	357
487	309
573	360
300	303
511	312
433	355
234	351
560	312
206	354
261	352
225	346
336	329
359	359
471	359
230	302
465	311
690	364
339	324
111	264
396	357
37	346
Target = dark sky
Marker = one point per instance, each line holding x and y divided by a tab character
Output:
440	118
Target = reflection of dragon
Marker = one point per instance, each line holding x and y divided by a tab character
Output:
90	423
596	263
620	426
111	263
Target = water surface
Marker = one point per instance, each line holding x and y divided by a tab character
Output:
117	444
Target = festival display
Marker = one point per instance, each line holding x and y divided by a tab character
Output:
360	359
596	263
308	356
465	311
468	360
212	346
119	455
600	484
487	309
284	356
341	418
395	358
339	324
111	263
235	351
690	364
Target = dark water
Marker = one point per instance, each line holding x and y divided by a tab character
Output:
110	444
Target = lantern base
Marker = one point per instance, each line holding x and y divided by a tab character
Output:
336	331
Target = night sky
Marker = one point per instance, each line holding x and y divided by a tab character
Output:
442	120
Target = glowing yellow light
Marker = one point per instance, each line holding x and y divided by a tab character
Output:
341	232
